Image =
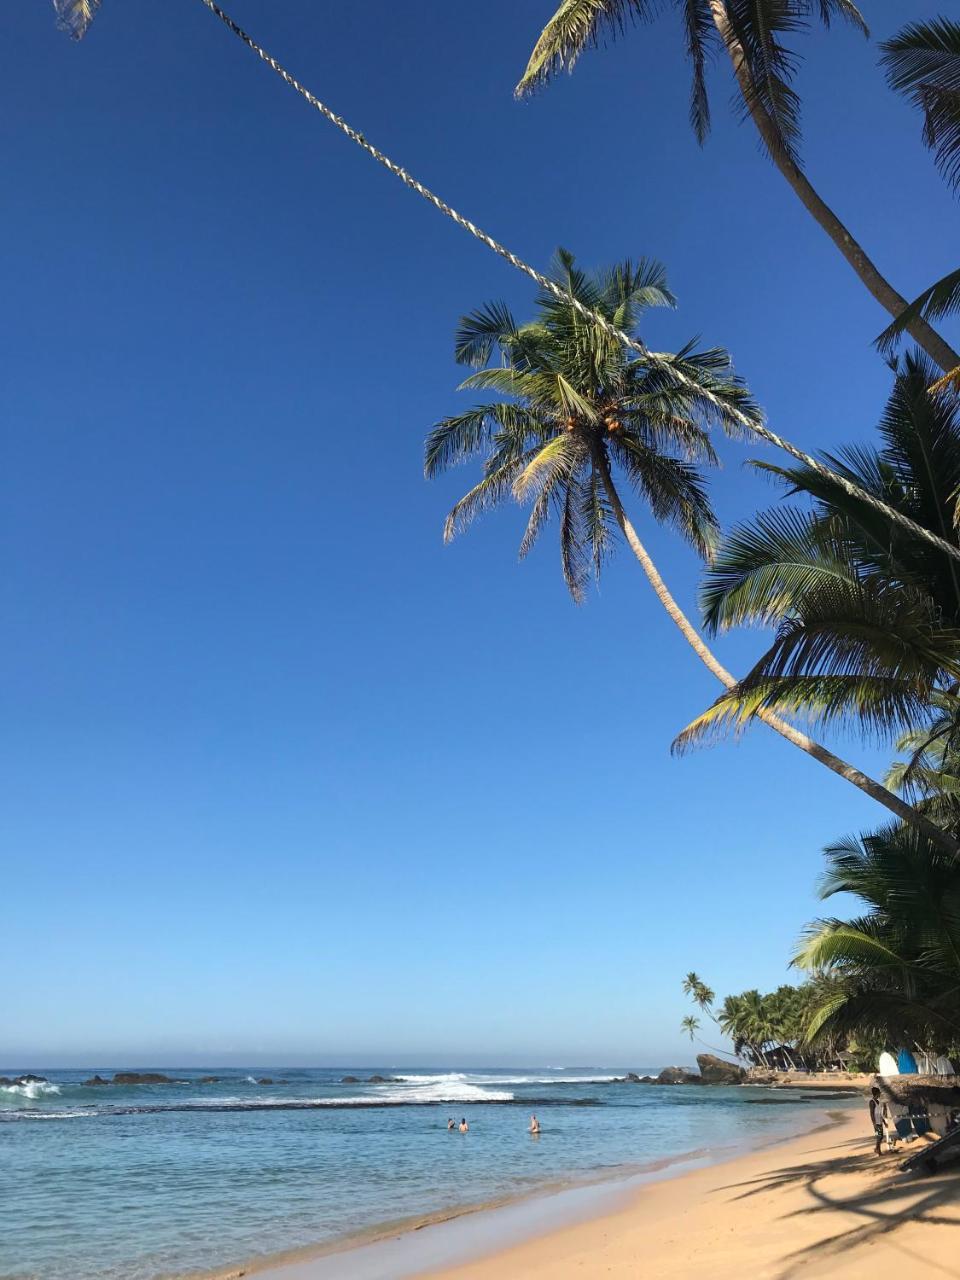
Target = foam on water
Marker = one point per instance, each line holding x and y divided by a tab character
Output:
33	1089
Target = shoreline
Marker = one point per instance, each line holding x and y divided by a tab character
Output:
817	1205
468	1234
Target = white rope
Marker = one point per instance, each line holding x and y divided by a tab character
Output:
657	358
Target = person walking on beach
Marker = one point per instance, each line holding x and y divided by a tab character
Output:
878	1111
534	1125
464	1127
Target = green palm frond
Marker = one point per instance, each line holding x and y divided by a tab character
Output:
576	25
759	26
701	41
74	16
489	493
479	332
764	568
941	299
673	490
922	62
835	942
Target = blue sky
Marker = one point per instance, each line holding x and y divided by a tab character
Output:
283	778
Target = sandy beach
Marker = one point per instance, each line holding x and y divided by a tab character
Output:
819	1205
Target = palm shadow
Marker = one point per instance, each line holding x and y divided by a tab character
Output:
881	1209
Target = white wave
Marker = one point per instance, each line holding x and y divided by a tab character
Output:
478	1078
33	1089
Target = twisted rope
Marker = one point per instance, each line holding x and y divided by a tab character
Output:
660	359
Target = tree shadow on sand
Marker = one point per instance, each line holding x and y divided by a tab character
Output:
896	1198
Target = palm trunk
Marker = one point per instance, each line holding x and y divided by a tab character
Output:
875	790
922	333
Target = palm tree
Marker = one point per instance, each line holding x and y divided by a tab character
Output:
691	1025
579	406
694	987
750	33
896	967
867	620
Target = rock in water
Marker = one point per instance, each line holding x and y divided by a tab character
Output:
676	1075
349	1080
715	1071
95	1080
144	1077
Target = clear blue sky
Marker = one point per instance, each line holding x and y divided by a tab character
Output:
284	778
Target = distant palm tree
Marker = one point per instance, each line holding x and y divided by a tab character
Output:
690	1024
750	33
896	967
698	991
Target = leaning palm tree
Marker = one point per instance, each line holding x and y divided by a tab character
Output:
582	417
867	622
896	967
751	34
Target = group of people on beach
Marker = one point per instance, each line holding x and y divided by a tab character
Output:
533	1127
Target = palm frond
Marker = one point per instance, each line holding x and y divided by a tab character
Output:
941	299
493	489
482	330
74	16
758	26
762	569
576	25
701	36
922	62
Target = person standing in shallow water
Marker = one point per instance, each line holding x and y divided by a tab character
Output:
534	1125
464	1127
451	1124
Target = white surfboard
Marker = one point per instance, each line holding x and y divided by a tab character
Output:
888	1065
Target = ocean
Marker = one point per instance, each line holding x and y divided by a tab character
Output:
136	1182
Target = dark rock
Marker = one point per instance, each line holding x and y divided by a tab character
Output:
210	1079
715	1071
349	1080
7	1081
382	1080
95	1080
265	1080
676	1075
144	1077
630	1078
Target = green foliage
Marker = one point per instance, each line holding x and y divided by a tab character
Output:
895	969
866	617
761	28
922	62
581	408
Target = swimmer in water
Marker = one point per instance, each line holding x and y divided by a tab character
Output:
464	1127
534	1124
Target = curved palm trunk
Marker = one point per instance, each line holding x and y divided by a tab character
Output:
875	790
922	333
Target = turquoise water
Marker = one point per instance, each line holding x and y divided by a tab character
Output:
137	1182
